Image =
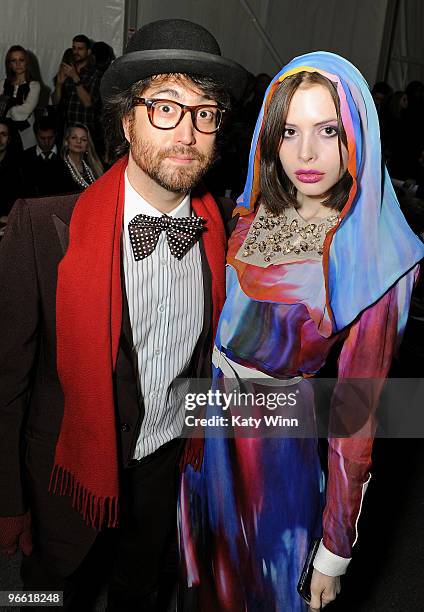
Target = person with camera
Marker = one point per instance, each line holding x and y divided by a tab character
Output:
77	86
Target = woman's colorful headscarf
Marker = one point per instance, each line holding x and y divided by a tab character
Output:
373	246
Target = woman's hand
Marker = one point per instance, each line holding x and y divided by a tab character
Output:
71	72
61	75
324	589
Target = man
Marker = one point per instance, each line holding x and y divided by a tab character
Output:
77	87
43	169
104	302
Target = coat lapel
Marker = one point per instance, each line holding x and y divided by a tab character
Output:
127	342
62	230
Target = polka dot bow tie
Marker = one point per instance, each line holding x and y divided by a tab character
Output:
181	233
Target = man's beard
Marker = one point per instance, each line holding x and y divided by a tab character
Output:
177	180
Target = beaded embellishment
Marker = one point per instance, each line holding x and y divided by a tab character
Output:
272	237
79	178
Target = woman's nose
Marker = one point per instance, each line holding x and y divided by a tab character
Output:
307	149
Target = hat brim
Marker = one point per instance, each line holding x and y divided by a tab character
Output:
132	67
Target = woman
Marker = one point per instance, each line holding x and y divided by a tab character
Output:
67	60
321	260
21	93
83	165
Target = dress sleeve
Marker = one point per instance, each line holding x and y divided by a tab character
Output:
366	356
21	112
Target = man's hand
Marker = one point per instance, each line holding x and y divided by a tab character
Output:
324	589
71	72
15	532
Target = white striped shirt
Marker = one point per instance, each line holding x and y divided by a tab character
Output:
165	301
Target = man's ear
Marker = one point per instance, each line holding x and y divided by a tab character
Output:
126	127
89	51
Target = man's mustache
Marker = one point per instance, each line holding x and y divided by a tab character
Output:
191	152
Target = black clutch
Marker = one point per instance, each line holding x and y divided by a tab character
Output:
304	584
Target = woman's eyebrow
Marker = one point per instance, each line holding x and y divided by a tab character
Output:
333	119
293	125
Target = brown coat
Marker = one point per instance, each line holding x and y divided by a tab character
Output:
31	398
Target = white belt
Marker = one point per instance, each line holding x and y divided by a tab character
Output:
231	369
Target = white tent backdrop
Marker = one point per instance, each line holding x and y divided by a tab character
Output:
407	55
46	28
353	29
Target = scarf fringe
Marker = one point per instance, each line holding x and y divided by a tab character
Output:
97	512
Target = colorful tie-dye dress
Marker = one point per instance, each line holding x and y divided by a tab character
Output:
248	516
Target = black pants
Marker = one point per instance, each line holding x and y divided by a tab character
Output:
137	560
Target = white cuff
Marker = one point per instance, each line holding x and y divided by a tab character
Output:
328	563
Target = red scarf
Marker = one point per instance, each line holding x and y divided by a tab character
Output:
88	328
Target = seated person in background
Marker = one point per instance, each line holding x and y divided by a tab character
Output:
10	172
396	135
82	163
414	186
380	93
44	170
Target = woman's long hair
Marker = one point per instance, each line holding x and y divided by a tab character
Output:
91	156
9	72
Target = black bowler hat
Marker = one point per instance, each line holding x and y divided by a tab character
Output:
173	46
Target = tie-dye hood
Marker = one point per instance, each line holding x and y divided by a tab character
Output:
373	246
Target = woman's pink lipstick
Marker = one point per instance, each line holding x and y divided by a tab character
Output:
309	176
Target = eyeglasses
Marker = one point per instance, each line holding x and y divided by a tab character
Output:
167	114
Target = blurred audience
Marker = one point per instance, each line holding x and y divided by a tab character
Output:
415	93
395	135
253	101
103	55
228	174
82	163
415	114
380	93
413	186
19	93
10	170
43	169
402	131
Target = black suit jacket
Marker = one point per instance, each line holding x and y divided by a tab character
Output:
43	177
31	398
